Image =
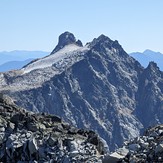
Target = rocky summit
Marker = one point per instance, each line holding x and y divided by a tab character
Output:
97	86
144	149
66	38
29	137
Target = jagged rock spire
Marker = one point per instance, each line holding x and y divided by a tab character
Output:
152	65
105	41
66	38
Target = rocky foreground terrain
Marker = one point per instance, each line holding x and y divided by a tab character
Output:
29	137
144	149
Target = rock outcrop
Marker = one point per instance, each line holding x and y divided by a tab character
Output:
66	38
145	149
29	137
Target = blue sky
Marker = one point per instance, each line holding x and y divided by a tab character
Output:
36	24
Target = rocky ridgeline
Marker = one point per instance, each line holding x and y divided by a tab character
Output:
144	149
29	137
97	86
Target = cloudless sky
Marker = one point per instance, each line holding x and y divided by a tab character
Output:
36	24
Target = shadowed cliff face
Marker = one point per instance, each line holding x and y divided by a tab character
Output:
150	96
103	89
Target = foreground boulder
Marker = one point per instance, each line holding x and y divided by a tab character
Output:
29	137
145	149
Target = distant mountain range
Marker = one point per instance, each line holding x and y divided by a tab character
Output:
18	58
148	56
14	65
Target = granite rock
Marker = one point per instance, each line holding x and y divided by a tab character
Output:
147	148
42	138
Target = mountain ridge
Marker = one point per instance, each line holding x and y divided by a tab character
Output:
18	58
100	88
148	56
14	65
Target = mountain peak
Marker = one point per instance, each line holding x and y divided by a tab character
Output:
152	66
101	39
149	52
66	38
104	41
152	70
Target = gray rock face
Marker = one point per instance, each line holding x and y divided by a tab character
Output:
65	39
101	88
52	143
150	96
147	148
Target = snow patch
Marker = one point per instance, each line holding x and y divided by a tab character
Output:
53	58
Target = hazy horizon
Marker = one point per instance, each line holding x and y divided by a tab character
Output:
36	25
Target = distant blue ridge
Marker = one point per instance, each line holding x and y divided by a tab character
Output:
18	58
148	56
